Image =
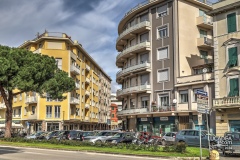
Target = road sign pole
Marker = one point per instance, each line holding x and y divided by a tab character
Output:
208	133
200	137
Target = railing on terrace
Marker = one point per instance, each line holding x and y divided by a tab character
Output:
226	102
133	111
163	108
143	87
52	34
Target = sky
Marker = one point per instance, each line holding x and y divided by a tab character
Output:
93	23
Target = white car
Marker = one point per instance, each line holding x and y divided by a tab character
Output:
169	138
100	137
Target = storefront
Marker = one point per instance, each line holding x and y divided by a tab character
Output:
163	125
195	121
143	124
234	125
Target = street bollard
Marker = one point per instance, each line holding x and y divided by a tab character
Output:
214	155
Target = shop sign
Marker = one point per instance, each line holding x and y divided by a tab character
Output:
163	118
144	119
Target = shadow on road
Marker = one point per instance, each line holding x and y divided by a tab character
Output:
9	150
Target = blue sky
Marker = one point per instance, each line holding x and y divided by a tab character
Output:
92	22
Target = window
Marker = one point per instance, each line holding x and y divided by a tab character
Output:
112	108
49	98
132	103
57	111
33	109
49	112
201	12
20	96
78	54
132	42
14	112
145	102
194	93
163	75
164	100
232	57
112	115
162	53
25	110
162	32
234	87
144	17
162	11
203	33
144	58
231	22
59	62
204	55
19	112
183	96
144	79
132	23
144	37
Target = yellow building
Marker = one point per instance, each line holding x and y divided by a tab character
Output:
82	109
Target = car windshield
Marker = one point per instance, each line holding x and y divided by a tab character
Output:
118	135
101	134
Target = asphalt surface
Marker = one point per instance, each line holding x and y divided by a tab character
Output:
19	153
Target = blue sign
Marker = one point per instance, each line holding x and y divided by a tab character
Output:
201	92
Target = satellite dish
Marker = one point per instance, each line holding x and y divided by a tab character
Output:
174	101
204	70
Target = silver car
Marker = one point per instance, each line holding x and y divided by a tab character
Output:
100	137
168	138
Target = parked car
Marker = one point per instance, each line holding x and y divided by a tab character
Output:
34	135
82	134
122	137
51	135
2	134
231	143
168	138
101	136
191	138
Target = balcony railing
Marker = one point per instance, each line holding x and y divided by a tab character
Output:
133	111
205	42
87	80
75	70
74	100
195	78
87	93
32	116
136	48
134	28
86	118
136	67
226	102
31	99
77	85
49	115
87	67
87	106
205	21
163	108
141	88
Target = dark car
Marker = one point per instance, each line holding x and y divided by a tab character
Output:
62	135
2	134
122	137
52	134
83	134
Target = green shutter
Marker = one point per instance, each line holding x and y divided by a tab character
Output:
233	57
234	87
231	22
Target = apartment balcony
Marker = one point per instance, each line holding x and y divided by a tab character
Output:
136	89
77	85
140	47
136	68
2	105
133	111
74	101
32	116
205	22
86	119
226	102
87	80
87	106
75	70
87	67
87	93
204	42
31	99
163	108
132	31
195	79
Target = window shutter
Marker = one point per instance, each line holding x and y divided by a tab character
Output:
231	22
163	75
234	87
163	53
233	57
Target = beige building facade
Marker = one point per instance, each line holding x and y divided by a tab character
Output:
226	15
163	48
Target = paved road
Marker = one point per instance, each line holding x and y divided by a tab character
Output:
18	153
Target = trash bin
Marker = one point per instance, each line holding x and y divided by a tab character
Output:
214	155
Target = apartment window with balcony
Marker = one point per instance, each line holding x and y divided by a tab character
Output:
231	22
204	56
234	87
112	115
183	96
162	10
144	17
203	33
132	23
57	111
232	57
59	62
194	93
162	32
132	105
163	75
144	58
162	53
144	101
49	98
132	42
33	109
144	37
144	79
48	111
19	112
14	112
164	100
78	54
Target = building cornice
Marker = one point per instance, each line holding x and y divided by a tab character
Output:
222	9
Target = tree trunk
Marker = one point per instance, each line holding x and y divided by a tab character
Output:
8	121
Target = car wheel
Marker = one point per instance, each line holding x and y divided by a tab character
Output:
98	141
163	142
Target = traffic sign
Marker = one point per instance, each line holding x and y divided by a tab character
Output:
201	92
200	119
